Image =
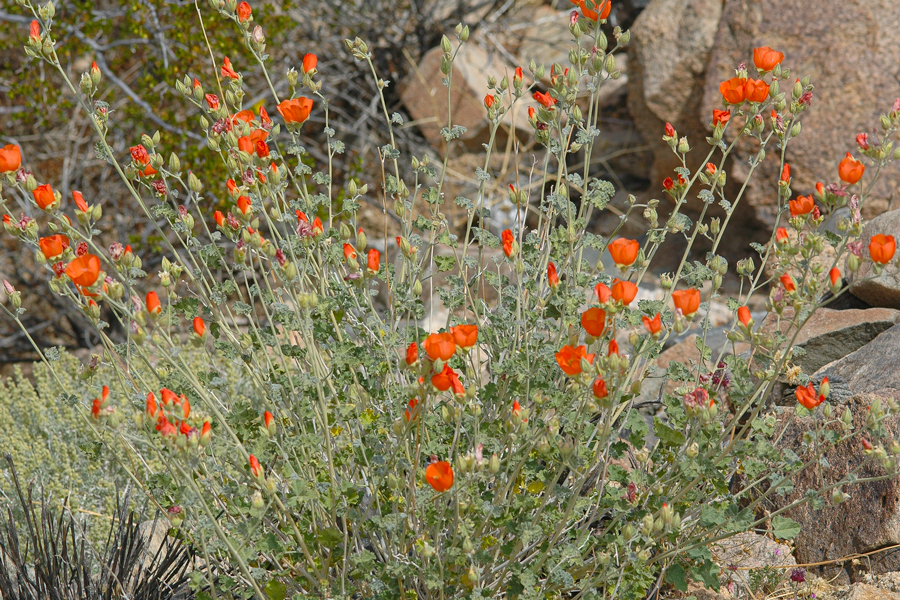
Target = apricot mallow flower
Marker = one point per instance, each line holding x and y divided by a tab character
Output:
439	475
296	110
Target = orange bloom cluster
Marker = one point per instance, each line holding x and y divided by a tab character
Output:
171	413
807	395
569	359
737	89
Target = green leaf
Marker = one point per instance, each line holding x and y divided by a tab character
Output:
677	576
667	435
275	590
784	528
444	263
708	573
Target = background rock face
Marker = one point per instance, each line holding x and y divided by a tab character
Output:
883	290
683	49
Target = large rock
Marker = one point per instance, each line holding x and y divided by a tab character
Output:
830	335
864	591
854	67
883	290
874	368
868	520
670	46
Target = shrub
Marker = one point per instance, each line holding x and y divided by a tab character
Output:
505	455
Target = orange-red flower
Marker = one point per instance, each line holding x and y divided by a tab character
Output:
508	243
44	196
603	7
309	62
733	90
412	354
255	467
788	282
205	433
785	173
720	117
267	419
807	396
151	404
603	292
623	291
79	201
624	251
552	277
199	326
243	11
411	413
439	475
850	169
835	276
802	205
465	336
569	359
544	99
439	346
84	270
153	305
594	321
444	380
246	145
374	261
654	325
599	388
766	59
246	116
349	252
10	158
687	301
227	70
744	316
882	248
613	348
756	90
296	110
53	245
212	101
781	235
219	218
35	31
489	101
262	149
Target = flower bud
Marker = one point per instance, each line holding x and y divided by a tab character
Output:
494	464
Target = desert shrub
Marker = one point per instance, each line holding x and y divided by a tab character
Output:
506	455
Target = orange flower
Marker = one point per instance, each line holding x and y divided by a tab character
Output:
35	31
245	115
603	292
443	380
850	169
720	117
245	145
788	282
508	243
349	252
267	419
623	291
835	276
412	354
654	325
309	62
374	261
411	413
139	154
227	71
569	359
212	101
456	385
219	218
205	433
624	251
465	336
79	201
199	326
599	388
756	90
243	11
317	226
44	196
807	396
733	90
84	270
882	248
613	348
439	475
744	316
153	306
544	99
552	277
488	101
439	346
151	404
785	173
803	205
687	301
255	466
594	321
766	59
296	110
54	245
604	7
262	149
781	235
10	158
